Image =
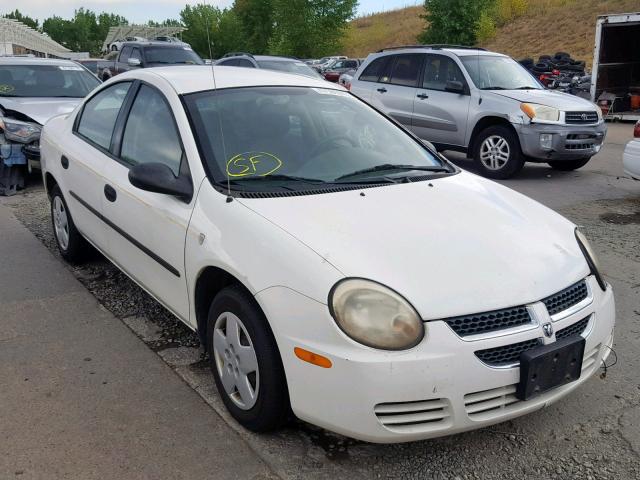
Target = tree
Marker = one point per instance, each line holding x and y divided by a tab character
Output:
310	28
256	23
211	32
452	21
28	21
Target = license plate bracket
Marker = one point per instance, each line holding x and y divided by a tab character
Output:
550	366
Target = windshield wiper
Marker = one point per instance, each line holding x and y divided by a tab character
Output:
527	88
389	166
276	177
494	88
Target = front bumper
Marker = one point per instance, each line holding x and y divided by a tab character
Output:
438	388
631	159
568	142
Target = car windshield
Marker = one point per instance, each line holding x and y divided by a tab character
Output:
296	138
46	81
171	56
289	66
491	72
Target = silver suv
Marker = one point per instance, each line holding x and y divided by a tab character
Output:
482	103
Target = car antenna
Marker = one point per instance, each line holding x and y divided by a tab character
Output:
213	76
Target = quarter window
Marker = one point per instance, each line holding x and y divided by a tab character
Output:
374	70
438	70
150	135
99	114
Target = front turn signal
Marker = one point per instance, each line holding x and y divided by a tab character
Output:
313	358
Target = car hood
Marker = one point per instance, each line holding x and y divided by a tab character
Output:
40	109
451	246
561	101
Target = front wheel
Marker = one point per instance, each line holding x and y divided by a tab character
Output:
569	165
497	152
245	361
72	246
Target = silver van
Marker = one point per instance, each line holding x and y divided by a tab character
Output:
482	103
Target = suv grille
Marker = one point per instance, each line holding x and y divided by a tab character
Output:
581	117
489	321
566	298
575	329
506	354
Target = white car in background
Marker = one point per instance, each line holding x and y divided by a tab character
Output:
332	264
631	156
117	45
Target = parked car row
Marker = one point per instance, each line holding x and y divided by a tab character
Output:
118	44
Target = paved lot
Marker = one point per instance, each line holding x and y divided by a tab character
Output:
593	434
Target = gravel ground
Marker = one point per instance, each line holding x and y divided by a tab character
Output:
565	441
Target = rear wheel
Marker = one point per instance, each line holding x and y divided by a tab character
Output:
73	247
497	152
569	165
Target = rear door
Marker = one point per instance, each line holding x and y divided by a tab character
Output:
147	231
396	88
438	115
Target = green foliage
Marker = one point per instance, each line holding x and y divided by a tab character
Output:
211	32
310	28
16	15
503	11
452	21
486	27
256	23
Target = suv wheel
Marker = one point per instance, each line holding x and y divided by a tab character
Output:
497	152
569	165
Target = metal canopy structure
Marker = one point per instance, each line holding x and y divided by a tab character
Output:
13	32
123	31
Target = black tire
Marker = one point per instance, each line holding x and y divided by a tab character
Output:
76	249
271	409
515	160
569	165
562	55
544	58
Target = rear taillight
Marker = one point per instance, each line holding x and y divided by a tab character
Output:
636	130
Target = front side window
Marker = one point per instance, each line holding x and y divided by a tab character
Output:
290	138
100	113
150	134
492	72
406	70
135	53
46	81
438	70
126	53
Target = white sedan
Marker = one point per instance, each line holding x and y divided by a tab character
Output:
631	155
331	263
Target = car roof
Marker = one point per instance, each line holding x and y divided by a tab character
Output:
460	52
197	78
277	58
151	43
9	60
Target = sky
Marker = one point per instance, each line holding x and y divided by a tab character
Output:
140	11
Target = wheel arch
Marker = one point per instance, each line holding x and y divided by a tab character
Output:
486	122
49	183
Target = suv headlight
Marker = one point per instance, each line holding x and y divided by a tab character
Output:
540	112
24	132
591	258
375	315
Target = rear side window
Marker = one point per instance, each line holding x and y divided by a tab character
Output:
242	62
438	70
406	70
100	113
150	134
375	69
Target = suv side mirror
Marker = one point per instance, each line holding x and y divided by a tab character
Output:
454	86
134	62
158	178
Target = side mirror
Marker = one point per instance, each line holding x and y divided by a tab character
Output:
158	178
454	86
134	62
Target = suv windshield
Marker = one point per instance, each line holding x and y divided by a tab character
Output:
299	68
46	81
293	138
490	72
171	56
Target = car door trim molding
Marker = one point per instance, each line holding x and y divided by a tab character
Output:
125	235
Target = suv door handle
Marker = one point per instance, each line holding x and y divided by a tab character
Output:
382	90
422	96
110	193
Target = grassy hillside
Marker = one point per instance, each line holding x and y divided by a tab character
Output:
547	27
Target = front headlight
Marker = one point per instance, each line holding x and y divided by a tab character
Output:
375	315
591	258
542	113
18	131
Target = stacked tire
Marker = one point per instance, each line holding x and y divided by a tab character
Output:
560	61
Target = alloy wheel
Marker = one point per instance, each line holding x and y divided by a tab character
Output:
494	152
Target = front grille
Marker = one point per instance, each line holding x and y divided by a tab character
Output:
414	416
506	354
576	329
577	118
479	405
490	321
566	298
578	146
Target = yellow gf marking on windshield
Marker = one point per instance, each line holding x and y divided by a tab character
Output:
7	88
259	164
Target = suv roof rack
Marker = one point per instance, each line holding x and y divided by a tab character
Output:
237	54
433	47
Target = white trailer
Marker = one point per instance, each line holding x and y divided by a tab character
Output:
616	63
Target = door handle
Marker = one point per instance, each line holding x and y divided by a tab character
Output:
422	96
382	90
110	193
